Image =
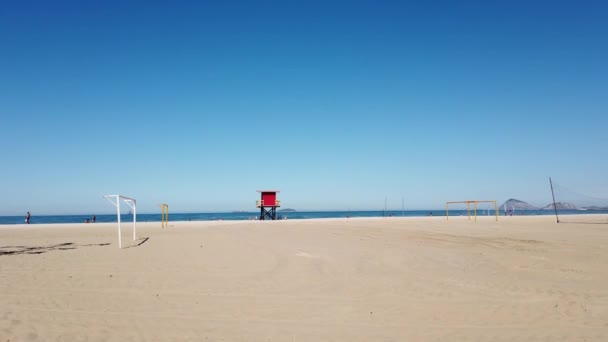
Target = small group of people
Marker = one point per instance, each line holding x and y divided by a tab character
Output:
28	217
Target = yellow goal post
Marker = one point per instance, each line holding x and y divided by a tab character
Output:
468	203
165	215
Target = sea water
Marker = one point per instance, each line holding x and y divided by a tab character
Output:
35	219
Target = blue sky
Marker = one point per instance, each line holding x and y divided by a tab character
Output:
338	104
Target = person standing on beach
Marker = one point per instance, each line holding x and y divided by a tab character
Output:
94	218
27	218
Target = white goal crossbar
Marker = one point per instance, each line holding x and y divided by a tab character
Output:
132	203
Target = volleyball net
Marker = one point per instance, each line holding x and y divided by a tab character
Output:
472	207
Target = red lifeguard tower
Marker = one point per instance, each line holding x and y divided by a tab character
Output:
268	204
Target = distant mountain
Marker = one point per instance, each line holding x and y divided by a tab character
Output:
516	204
595	208
560	205
286	210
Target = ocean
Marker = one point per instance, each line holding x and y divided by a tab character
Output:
289	215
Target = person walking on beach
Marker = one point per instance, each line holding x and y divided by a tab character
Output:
27	218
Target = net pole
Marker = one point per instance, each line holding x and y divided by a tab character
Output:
384	206
447	213
553	195
496	211
134	221
475	208
118	216
164	216
469	210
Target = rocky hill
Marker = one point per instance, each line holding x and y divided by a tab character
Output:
560	205
516	204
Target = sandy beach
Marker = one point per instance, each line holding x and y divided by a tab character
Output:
380	279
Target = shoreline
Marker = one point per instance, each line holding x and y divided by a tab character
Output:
312	215
127	224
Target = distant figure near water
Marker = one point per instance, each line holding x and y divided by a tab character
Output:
94	218
27	217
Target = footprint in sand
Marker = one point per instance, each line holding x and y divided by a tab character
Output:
306	255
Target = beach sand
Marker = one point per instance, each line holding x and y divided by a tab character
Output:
379	279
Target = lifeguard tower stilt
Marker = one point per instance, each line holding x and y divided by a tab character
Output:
268	204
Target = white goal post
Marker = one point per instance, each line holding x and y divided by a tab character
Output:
132	203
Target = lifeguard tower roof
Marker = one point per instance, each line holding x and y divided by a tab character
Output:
268	190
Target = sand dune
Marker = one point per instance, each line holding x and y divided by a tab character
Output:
391	279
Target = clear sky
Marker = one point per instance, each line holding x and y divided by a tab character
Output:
338	104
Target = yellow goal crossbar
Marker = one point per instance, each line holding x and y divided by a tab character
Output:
165	215
468	203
